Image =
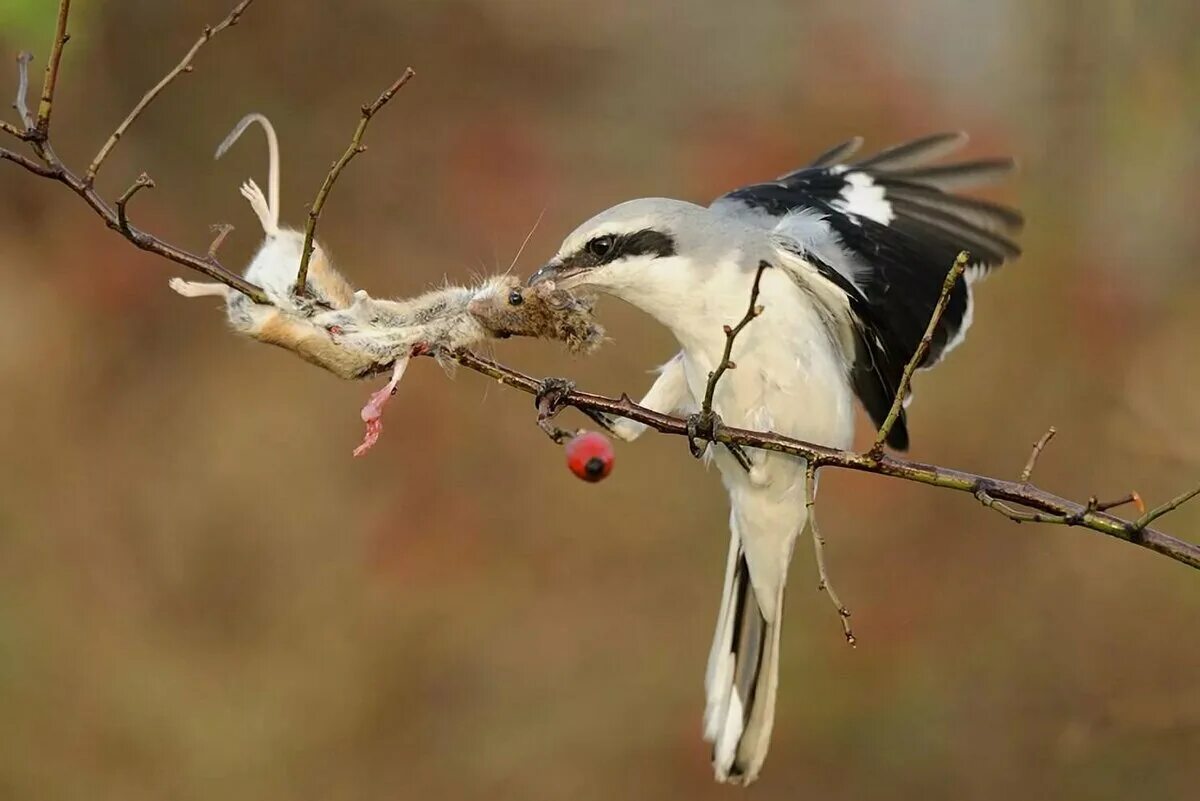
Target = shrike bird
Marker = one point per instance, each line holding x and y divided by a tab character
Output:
858	252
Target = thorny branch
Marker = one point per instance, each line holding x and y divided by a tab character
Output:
1039	500
356	146
995	493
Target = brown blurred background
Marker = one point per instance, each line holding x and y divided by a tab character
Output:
203	596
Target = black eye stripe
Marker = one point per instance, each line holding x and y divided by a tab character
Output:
608	248
646	242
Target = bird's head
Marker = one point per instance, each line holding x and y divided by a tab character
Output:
628	250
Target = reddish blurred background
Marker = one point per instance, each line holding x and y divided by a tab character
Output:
203	596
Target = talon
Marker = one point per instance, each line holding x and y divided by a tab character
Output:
702	426
551	396
550	399
603	420
740	455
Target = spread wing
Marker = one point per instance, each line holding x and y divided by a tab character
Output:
885	230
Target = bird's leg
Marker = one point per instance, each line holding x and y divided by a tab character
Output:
550	399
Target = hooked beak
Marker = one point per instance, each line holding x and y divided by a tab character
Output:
554	271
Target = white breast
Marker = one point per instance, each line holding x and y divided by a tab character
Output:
790	378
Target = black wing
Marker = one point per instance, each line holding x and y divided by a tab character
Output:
888	230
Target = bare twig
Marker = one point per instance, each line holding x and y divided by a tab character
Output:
1139	525
183	66
23	133
221	230
1038	500
1037	451
1019	516
53	168
51	80
29	164
1132	497
956	271
703	424
731	334
143	182
55	171
810	492
356	147
20	104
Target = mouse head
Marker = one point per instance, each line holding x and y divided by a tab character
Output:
506	308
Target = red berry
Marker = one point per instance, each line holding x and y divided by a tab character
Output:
590	456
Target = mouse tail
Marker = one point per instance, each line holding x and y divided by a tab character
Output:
266	208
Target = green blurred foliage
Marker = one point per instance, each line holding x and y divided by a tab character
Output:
27	19
203	596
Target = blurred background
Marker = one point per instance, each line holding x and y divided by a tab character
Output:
202	595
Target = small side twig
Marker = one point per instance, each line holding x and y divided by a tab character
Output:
1132	497
29	164
1019	516
183	66
824	585
143	182
25	133
221	230
61	36
704	424
1038	447
1158	511
356	146
731	334
20	104
956	271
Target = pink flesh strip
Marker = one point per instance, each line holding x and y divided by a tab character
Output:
372	412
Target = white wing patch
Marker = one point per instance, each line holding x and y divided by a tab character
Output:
861	196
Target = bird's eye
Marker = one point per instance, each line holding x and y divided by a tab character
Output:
515	298
602	246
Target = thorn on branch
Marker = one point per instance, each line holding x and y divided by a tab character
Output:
824	584
143	182
185	65
355	147
1133	497
956	271
1149	517
1037	451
